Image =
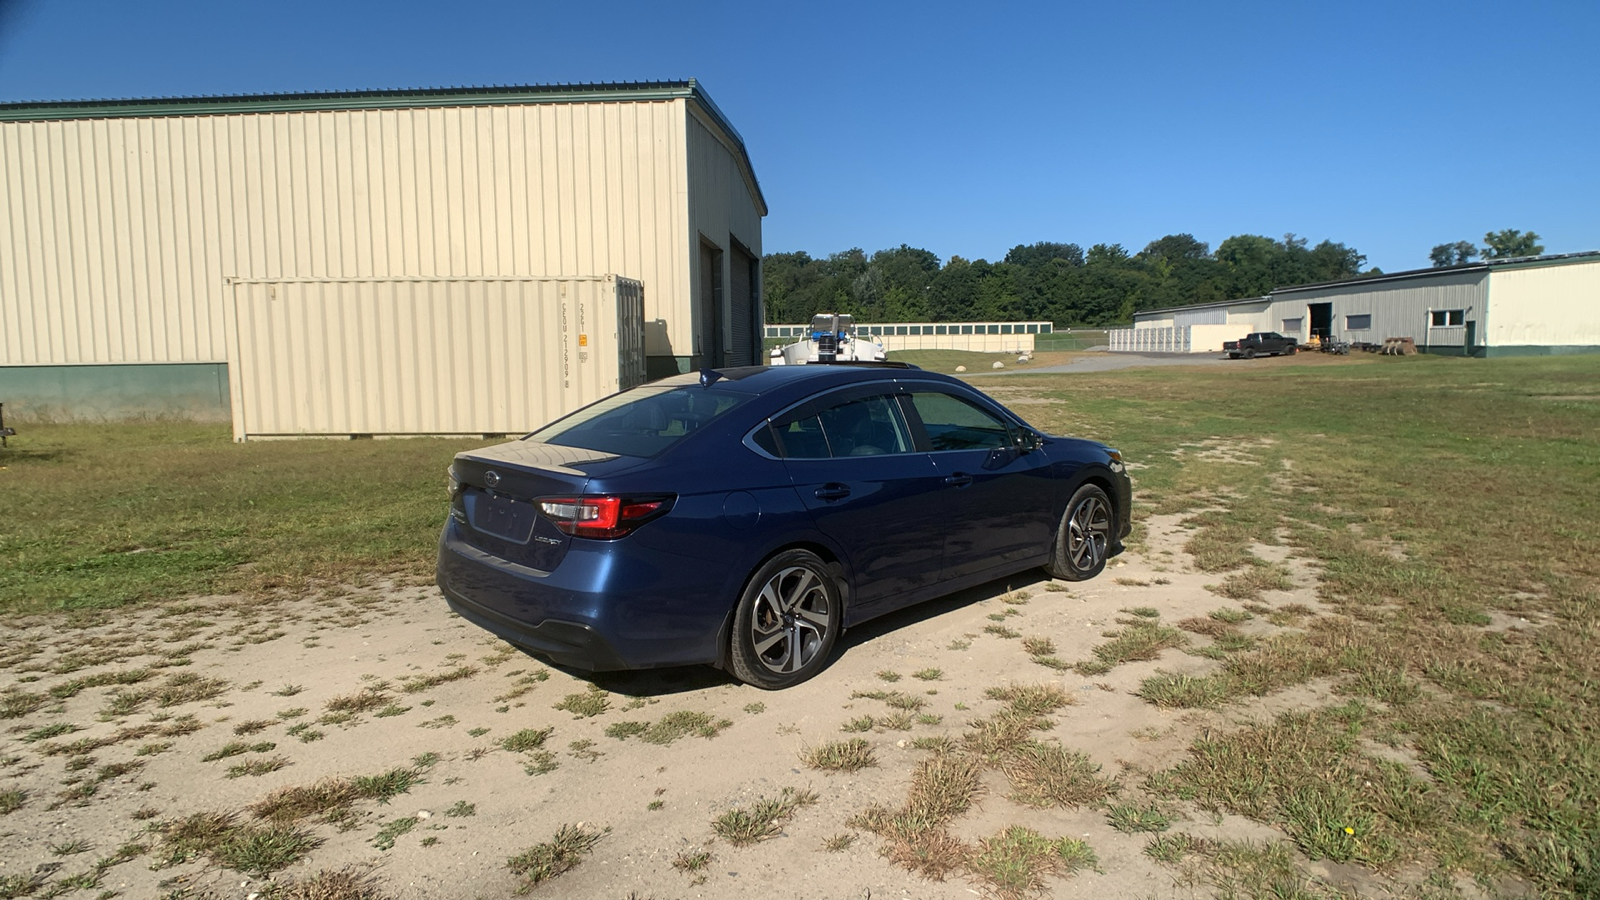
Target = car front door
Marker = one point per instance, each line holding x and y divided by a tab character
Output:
855	466
998	500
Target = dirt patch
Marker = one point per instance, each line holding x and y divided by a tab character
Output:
398	741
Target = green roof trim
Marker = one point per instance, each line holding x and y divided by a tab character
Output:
320	101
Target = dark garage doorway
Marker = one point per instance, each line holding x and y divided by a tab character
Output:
1321	320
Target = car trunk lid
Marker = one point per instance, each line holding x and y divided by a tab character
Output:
496	506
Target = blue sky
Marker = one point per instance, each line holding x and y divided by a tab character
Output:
967	128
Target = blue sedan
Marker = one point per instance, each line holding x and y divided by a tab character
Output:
744	517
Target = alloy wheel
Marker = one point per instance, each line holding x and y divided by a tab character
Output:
791	619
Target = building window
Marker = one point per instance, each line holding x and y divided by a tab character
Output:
1033	328
966	329
1358	323
1046	327
938	329
1005	329
900	329
1292	326
1445	318
994	329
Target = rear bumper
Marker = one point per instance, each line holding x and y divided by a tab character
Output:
600	611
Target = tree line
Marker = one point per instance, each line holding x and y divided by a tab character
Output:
1065	284
1056	282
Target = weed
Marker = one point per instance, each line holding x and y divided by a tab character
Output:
364	700
288	690
416	683
1229	616
235	748
263	849
462	809
756	708
841	756
1038	646
11	800
257	767
1016	861
928	674
585	705
1144	612
1172	848
48	731
669	728
388	785
561	854
541	762
1002	632
896	721
937	743
864	723
1131	819
527	739
1248	584
839	842
70	848
393	709
16	704
325	798
888	676
392	830
762	820
293	712
894	699
1184	691
692	861
1139	641
959	644
252	726
1047	774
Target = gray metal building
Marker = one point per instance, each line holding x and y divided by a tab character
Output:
125	223
1539	305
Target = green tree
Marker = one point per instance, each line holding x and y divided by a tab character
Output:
1452	254
1510	243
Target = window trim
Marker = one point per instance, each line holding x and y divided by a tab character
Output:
1364	327
1460	314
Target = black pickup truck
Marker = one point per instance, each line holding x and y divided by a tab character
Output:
1266	342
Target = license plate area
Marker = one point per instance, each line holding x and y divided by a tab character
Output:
503	517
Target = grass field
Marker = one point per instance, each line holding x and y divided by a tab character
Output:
1451	507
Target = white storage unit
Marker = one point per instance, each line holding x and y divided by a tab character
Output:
373	356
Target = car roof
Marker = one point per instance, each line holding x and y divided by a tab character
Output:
761	379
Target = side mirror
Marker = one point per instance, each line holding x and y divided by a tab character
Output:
1027	441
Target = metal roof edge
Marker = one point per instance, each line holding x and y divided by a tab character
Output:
1520	262
1215	304
482	95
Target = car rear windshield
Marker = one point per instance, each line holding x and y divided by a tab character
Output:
642	422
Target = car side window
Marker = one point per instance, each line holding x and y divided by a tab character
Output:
955	424
866	426
802	439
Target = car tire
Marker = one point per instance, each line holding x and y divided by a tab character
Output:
787	621
1293	350
1250	354
1083	540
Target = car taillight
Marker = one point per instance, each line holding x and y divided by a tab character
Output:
602	516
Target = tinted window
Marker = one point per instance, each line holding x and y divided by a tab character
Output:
869	426
955	424
640	422
802	439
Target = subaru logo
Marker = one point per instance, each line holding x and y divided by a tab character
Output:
491	479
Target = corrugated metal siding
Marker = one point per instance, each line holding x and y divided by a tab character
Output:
427	356
1397	308
722	210
1215	316
1545	306
117	235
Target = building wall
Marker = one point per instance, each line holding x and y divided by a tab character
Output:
1555	306
1397	308
722	211
117	234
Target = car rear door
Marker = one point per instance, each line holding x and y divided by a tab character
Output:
997	502
855	466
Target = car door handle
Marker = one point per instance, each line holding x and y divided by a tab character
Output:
833	492
959	479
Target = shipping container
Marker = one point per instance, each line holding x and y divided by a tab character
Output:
372	357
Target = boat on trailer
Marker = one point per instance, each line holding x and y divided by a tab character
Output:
832	339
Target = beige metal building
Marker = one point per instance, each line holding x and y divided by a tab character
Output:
1532	306
125	224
